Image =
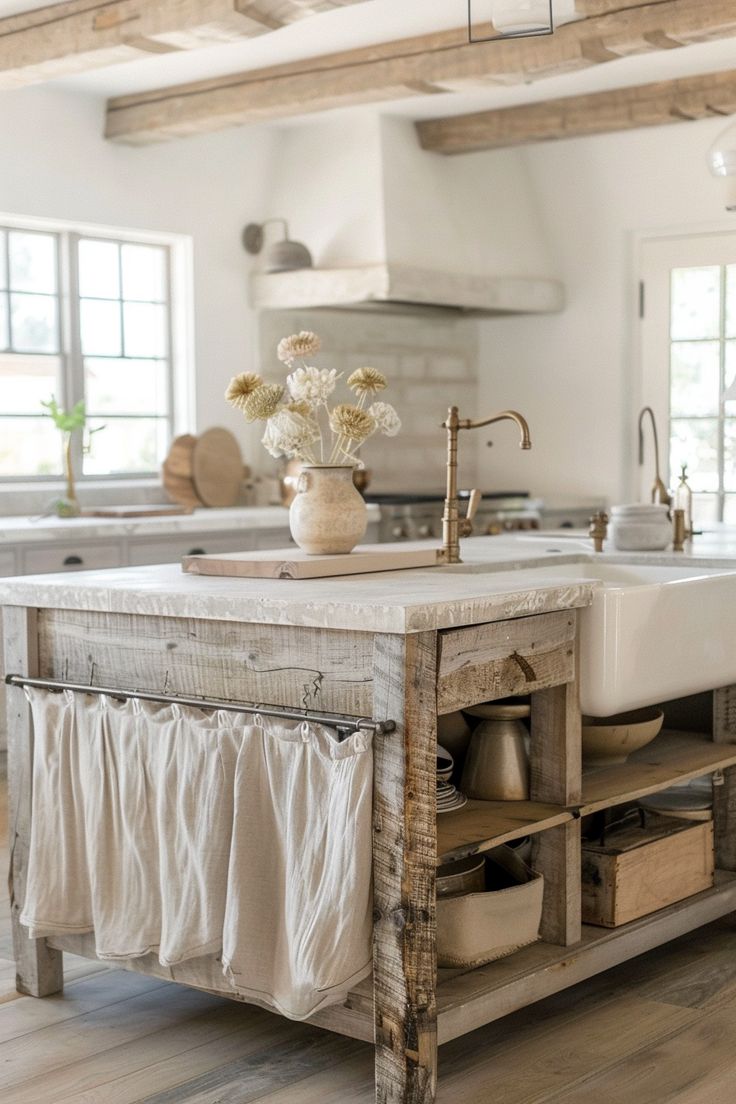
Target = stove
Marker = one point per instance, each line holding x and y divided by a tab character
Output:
409	516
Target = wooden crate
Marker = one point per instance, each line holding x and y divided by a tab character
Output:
639	870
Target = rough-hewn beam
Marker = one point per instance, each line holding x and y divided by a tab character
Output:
406	68
77	35
623	109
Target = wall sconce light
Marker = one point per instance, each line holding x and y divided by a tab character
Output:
280	256
510	19
722	163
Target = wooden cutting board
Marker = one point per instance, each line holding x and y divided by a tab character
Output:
159	510
217	467
291	563
176	472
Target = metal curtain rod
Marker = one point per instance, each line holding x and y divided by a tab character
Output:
362	724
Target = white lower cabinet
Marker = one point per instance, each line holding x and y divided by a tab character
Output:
80	556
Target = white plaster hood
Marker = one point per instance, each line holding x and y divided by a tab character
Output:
393	227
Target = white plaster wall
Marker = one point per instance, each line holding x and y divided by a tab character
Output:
575	374
55	164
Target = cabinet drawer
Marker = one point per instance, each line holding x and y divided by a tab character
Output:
7	563
272	538
172	549
71	557
485	662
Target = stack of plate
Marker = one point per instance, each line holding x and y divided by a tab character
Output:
448	798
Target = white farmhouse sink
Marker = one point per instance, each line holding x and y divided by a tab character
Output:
652	633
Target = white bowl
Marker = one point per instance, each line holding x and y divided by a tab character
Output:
608	740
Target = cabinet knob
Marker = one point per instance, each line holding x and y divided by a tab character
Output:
196	552
73	561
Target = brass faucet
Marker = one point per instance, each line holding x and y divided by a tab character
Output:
454	527
659	491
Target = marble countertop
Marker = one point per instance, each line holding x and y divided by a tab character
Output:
27	530
498	580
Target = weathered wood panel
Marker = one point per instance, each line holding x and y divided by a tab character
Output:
556	855
724	792
300	668
39	970
484	662
556	747
404	858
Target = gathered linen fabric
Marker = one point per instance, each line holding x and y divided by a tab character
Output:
182	834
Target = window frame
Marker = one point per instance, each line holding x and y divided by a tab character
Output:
655	255
179	334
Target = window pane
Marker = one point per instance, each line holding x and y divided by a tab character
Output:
705	511
4	335
729	455
3	260
729	509
32	261
29	446
100	326
127	445
26	382
695	378
731	301
145	330
696	302
34	320
144	272
99	269
126	386
695	443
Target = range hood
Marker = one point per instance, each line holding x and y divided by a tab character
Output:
404	287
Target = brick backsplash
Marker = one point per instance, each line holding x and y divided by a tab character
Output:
431	360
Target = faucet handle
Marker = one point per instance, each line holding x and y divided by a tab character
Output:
466	524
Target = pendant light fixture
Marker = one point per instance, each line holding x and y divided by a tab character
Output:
722	162
509	19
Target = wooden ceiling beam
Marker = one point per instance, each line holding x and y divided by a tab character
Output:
78	35
671	101
444	61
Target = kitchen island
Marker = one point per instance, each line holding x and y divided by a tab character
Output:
403	647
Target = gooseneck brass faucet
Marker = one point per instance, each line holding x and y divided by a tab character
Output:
453	526
660	493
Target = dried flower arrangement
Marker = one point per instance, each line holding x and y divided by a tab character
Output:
298	421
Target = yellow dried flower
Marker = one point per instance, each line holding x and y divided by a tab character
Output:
300	407
263	402
240	387
351	422
367	381
298	346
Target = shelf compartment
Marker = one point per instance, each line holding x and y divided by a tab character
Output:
673	757
481	825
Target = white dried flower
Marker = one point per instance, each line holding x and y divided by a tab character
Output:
386	418
312	385
291	433
297	346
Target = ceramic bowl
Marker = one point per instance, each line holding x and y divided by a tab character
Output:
465	876
608	740
445	764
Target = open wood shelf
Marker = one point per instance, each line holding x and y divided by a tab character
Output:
481	825
673	757
468	1000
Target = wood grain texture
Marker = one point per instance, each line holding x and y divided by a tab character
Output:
724	792
481	825
443	61
303	668
556	855
555	746
39	969
292	563
670	101
79	35
672	757
484	662
404	859
217	467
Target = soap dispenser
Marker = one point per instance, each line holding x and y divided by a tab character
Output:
684	501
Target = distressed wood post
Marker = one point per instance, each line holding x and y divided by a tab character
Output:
556	777
404	865
724	795
39	969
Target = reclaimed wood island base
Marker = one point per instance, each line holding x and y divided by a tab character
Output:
408	647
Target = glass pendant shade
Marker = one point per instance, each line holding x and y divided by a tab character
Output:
722	163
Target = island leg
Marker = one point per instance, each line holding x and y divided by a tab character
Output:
39	969
404	865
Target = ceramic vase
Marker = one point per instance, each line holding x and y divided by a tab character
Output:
328	515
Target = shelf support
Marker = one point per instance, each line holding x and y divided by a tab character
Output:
724	795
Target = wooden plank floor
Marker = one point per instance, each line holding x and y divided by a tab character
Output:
659	1030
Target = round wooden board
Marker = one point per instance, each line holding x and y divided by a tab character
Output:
176	472
217	467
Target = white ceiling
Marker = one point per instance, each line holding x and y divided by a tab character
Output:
374	21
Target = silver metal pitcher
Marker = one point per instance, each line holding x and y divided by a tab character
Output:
497	763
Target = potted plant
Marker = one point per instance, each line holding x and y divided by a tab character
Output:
328	515
67	421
